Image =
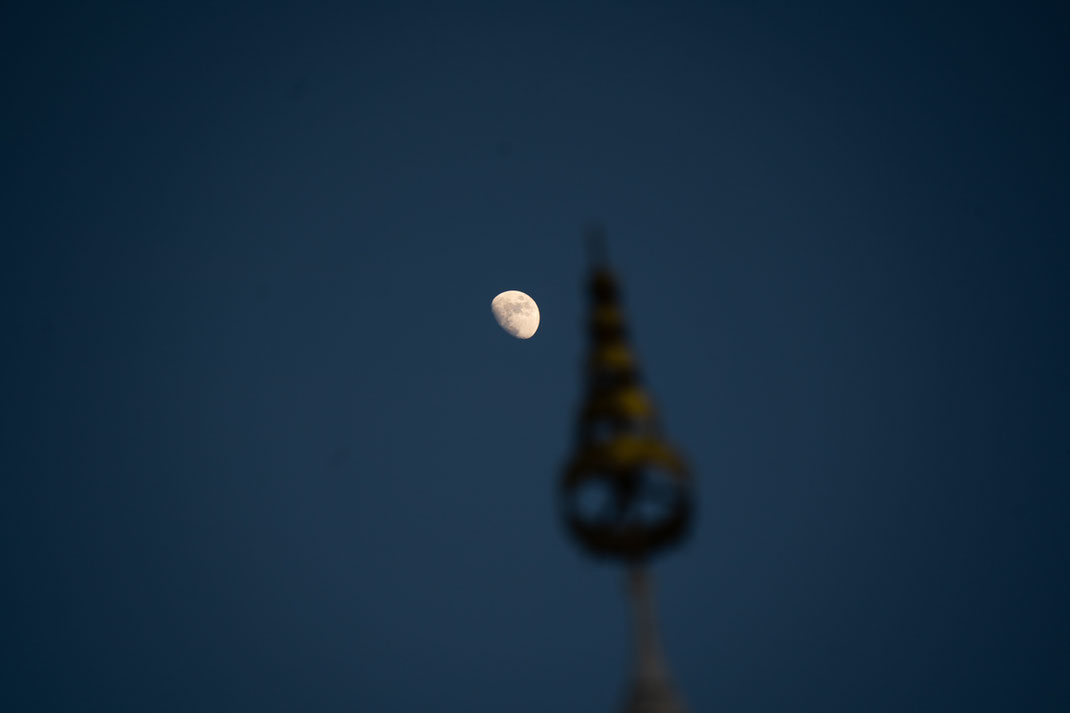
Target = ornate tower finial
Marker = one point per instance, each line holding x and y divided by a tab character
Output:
626	491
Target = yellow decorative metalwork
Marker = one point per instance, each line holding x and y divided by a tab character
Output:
626	490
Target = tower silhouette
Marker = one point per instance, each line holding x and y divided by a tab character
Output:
625	493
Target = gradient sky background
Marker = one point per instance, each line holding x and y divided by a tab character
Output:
264	447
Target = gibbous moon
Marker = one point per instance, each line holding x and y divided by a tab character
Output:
516	313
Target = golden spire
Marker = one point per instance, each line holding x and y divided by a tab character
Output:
626	490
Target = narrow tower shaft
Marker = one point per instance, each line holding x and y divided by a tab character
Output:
652	688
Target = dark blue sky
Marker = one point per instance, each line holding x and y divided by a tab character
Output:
264	447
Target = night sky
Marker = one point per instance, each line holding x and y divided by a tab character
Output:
264	447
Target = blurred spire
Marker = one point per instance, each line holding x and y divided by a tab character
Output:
626	491
620	458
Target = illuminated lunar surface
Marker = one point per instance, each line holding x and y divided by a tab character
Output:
516	313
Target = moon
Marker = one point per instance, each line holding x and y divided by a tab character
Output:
516	313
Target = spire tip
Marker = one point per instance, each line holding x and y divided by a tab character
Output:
596	245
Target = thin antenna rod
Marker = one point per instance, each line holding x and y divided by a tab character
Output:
597	251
